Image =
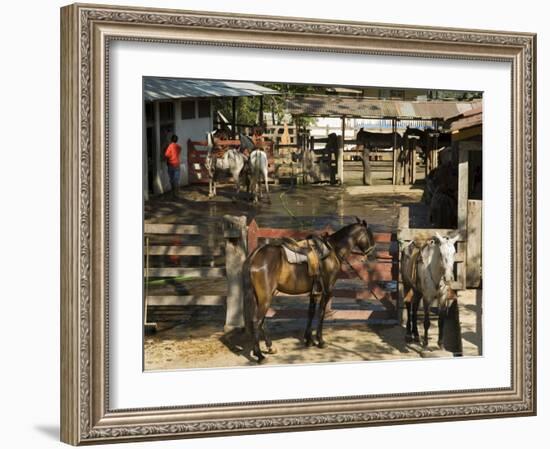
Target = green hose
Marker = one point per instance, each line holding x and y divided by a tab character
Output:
170	279
302	223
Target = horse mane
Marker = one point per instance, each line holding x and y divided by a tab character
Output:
347	231
344	230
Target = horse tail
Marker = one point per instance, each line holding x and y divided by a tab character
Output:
258	165
210	141
250	302
254	165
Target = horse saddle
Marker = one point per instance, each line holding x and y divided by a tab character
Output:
415	255
311	251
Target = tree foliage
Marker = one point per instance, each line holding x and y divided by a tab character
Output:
248	108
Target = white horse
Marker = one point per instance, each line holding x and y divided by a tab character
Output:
231	163
258	169
427	273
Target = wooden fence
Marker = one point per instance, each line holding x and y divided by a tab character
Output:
177	242
358	294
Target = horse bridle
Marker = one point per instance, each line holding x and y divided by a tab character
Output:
441	281
365	253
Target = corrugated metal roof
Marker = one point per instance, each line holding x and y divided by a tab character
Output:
328	106
472	117
173	88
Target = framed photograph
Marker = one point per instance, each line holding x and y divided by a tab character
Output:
278	224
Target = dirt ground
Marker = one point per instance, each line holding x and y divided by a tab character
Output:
198	341
308	206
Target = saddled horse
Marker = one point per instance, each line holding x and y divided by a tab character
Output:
268	270
420	136
427	272
443	208
440	195
368	141
379	140
231	162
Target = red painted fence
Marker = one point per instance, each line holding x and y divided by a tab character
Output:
196	158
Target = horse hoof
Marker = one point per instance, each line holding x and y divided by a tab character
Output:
321	344
309	343
261	359
416	339
272	350
409	339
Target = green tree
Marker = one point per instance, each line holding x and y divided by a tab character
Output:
247	109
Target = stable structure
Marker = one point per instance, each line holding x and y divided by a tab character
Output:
466	147
392	114
182	107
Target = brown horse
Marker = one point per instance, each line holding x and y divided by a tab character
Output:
267	271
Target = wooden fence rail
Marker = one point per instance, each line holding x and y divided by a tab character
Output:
154	231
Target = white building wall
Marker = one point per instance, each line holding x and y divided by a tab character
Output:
194	129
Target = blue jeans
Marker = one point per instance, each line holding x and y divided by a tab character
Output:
174	175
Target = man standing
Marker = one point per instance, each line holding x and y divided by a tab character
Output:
172	156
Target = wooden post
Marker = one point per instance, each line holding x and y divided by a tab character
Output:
158	186
413	163
435	146
461	266
462	213
394	152
233	116
402	224
301	138
406	161
261	112
403	220
473	249
148	326
144	155
234	230
340	161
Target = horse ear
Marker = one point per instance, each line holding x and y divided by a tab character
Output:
438	236
365	224
454	239
357	218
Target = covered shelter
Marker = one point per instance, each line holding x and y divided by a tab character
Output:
395	112
183	107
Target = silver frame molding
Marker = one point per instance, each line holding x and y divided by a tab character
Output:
86	32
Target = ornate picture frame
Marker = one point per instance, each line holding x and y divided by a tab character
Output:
87	32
